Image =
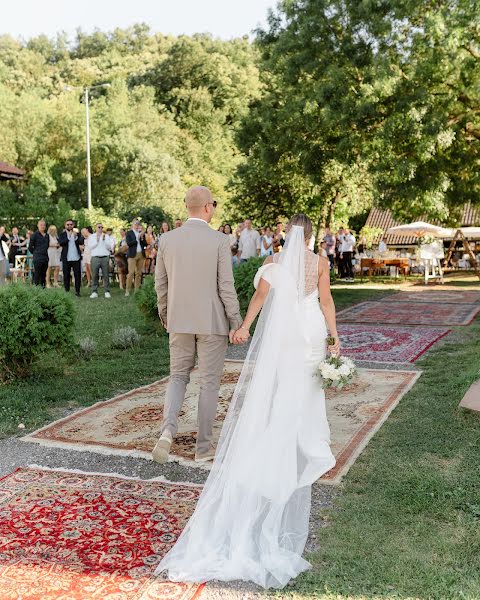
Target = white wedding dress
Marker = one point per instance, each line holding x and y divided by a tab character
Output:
251	521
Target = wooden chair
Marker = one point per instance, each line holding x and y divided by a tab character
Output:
20	270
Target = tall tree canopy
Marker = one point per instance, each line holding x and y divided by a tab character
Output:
166	122
365	101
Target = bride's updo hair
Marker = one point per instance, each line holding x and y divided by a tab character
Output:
302	221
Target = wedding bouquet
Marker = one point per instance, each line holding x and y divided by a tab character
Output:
336	371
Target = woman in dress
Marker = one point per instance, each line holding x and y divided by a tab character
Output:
121	259
87	256
227	230
266	243
54	252
251	521
150	251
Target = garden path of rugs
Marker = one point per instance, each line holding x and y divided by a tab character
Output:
15	453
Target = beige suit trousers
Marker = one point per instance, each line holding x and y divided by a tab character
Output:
211	351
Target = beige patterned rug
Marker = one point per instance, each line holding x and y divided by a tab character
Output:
129	424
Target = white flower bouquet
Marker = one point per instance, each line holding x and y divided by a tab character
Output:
336	371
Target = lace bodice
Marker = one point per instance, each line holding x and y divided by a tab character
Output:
311	271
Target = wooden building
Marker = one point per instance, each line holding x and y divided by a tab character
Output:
8	172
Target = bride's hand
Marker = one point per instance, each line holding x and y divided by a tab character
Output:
334	349
241	336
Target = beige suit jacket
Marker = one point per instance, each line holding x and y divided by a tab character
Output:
194	281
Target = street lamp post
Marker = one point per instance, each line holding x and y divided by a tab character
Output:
86	92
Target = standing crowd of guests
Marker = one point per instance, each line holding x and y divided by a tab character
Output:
90	253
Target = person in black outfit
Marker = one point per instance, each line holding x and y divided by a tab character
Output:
38	246
72	244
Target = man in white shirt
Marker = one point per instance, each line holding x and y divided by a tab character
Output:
348	244
249	244
382	246
100	246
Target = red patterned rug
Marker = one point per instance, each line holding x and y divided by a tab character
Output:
409	313
381	343
446	296
78	536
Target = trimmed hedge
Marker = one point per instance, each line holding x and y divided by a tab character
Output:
33	322
244	274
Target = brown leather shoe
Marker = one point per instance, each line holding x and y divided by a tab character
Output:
207	456
162	450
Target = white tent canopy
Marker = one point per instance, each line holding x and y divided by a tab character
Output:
420	229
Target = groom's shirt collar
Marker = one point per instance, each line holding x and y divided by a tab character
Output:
196	219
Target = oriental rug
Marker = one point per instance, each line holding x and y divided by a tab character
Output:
69	535
381	343
445	296
129	424
409	313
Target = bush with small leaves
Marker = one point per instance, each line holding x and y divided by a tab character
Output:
33	322
86	347
125	337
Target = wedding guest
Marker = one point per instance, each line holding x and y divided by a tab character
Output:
348	245
338	252
323	248
221	229
121	259
4	251
227	230
249	244
150	251
278	237
53	257
178	223
101	246
72	243
86	255
330	241
136	256
38	246
235	260
165	228
267	243
382	246
16	245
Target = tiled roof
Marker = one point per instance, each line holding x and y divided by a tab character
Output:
10	172
384	220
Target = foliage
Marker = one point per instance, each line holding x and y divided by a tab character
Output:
33	322
369	235
166	122
125	337
86	347
244	275
58	383
146	299
364	102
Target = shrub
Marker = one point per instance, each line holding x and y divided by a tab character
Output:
244	275
146	299
33	321
125	337
86	347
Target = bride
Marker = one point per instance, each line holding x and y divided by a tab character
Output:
251	521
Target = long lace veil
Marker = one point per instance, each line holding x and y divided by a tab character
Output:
251	520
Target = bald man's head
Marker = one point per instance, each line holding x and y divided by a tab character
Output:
200	203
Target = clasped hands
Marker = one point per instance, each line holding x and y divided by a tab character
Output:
240	336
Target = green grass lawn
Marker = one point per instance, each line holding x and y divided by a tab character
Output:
407	523
59	383
62	382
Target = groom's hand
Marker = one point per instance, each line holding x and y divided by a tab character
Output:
241	336
231	336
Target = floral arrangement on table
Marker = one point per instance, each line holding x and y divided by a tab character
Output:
336	371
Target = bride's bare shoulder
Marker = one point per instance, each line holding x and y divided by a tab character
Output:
268	261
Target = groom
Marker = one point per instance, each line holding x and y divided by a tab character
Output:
198	306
